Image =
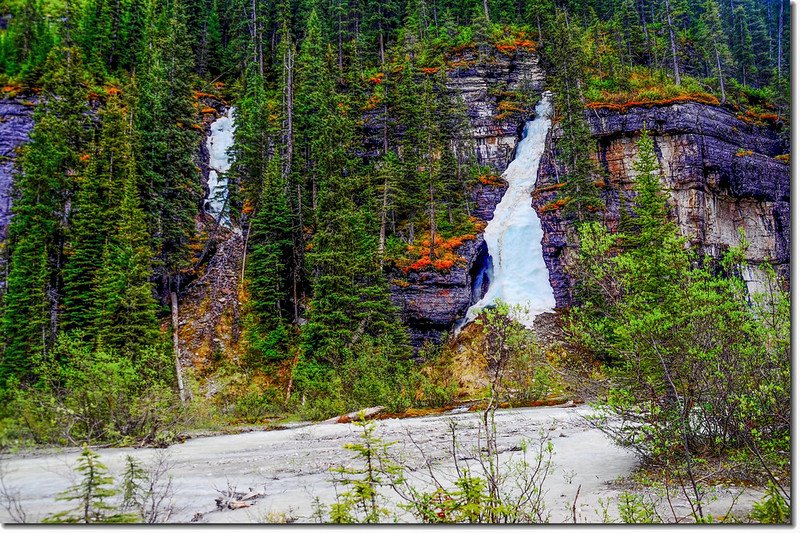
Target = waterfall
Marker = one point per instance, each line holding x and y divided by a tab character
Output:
517	273
219	141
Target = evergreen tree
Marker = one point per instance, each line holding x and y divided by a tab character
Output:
125	310
567	67
90	495
92	215
167	142
49	164
268	266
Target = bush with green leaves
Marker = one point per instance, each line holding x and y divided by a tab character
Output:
698	365
88	395
773	507
369	375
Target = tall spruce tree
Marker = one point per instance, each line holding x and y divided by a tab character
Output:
167	142
44	189
567	70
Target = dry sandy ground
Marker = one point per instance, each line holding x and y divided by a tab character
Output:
291	466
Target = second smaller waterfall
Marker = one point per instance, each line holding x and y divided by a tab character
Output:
219	141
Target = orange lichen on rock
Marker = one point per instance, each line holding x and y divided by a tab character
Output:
783	158
743	153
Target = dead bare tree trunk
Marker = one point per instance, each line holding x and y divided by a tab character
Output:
173	298
780	39
672	44
719	71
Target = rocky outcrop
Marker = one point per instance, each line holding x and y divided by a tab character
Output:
721	172
483	87
209	311
16	121
432	302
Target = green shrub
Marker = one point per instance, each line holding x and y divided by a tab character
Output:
87	395
772	509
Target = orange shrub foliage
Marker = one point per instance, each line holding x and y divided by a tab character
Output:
555	205
623	107
547	188
458	64
377	78
506	105
443	264
759	119
85	157
430	70
112	91
208	110
492	180
419	264
461	48
599	184
247	207
372	103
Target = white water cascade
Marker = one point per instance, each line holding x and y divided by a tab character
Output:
219	141
518	275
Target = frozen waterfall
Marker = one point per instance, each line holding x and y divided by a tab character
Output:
517	273
219	141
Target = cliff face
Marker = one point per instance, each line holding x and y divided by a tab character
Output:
432	302
16	121
721	173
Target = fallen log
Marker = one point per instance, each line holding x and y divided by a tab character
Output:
363	414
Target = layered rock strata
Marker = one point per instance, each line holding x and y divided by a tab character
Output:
16	122
431	302
722	174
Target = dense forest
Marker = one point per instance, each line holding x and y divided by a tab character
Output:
105	237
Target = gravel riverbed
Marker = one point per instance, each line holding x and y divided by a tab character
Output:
290	467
